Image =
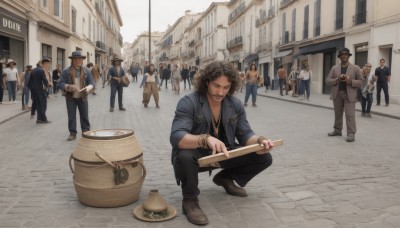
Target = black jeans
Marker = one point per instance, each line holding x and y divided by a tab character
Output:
34	106
282	82
166	83
114	88
83	107
1	92
366	103
41	104
134	77
379	87
184	83
241	169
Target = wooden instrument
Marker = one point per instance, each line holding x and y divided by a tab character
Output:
207	160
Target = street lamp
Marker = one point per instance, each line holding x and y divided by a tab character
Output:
149	31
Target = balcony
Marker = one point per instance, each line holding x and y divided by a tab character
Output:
264	17
236	13
101	45
191	54
360	18
167	42
285	37
264	47
285	3
191	43
184	55
236	42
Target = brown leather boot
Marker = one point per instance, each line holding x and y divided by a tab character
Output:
193	212
229	186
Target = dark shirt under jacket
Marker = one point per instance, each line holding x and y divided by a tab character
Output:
342	84
382	74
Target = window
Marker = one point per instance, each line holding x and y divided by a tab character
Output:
361	12
293	35
305	27
73	18
60	57
57	8
339	14
283	28
317	18
46	51
90	27
44	4
83	26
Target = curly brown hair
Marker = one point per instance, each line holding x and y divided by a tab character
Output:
213	71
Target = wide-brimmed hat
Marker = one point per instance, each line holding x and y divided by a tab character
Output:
344	51
154	209
116	58
11	61
77	54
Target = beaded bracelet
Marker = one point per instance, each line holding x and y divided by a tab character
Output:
203	141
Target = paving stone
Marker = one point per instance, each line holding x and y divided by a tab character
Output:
299	195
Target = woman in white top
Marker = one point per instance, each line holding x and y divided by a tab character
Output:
12	80
305	77
150	82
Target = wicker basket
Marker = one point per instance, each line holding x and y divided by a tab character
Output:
94	178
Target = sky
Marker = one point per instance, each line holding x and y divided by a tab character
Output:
135	14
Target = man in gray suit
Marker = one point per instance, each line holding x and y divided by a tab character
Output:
345	78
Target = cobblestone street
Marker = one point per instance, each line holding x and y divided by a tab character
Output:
315	181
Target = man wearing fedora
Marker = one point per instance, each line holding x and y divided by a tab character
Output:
77	81
116	73
345	79
38	82
208	121
12	80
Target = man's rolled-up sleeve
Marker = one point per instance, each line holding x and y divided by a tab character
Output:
183	121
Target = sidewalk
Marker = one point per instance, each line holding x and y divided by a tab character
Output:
323	101
9	111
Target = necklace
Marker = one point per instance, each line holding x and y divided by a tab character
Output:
216	124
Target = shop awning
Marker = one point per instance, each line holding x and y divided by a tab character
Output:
321	47
251	57
283	53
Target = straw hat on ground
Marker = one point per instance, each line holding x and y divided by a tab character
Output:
154	209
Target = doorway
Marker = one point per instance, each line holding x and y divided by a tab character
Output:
329	62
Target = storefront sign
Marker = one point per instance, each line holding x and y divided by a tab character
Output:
12	24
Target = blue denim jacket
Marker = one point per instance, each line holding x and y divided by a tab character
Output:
65	79
193	116
113	73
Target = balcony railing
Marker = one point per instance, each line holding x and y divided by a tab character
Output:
264	47
265	17
191	54
285	3
237	41
360	18
191	43
101	45
236	13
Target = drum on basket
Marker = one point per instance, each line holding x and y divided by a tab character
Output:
108	168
